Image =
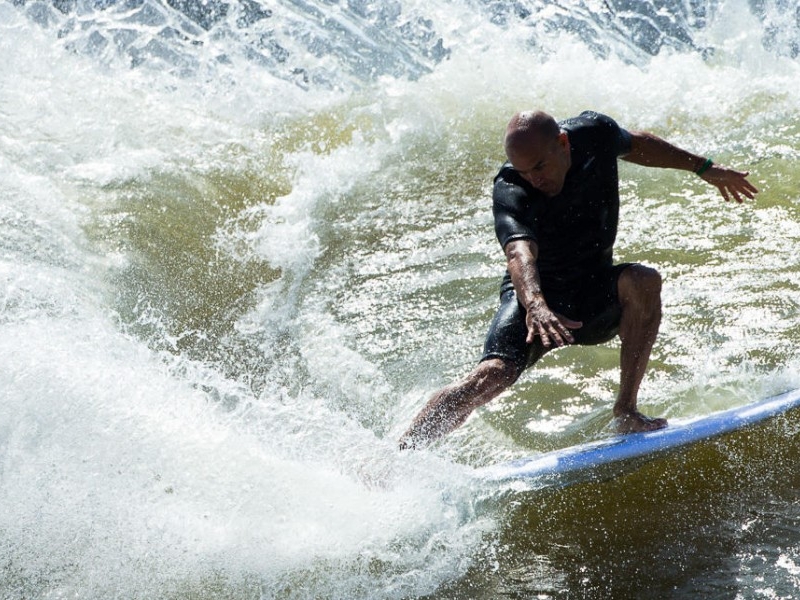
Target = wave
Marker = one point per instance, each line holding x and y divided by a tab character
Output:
341	45
240	243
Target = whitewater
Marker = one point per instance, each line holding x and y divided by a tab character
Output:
242	242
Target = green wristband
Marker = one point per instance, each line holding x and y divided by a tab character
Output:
705	166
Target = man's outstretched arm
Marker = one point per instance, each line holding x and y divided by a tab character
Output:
652	151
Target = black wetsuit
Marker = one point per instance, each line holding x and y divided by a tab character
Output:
574	231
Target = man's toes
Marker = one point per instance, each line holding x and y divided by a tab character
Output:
637	422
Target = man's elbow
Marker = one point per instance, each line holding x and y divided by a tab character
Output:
521	251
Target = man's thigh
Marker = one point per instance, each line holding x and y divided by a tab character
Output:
506	338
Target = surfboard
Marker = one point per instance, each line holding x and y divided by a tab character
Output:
622	453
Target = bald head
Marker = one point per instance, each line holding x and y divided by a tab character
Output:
530	128
538	150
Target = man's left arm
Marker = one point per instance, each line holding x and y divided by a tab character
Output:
652	151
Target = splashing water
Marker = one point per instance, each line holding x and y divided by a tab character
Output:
243	241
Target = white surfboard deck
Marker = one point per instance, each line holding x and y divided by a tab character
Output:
623	453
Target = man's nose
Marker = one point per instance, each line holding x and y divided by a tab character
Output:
536	180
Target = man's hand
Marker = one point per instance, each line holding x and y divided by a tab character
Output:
551	327
730	183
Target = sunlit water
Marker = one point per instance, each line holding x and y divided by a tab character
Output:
240	247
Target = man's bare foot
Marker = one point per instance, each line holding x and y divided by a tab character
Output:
635	422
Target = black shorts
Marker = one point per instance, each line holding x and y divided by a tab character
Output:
594	301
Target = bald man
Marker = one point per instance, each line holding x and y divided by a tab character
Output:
556	206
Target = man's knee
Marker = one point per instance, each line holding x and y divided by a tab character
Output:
640	285
489	378
499	371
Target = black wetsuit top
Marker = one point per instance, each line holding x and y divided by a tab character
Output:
574	230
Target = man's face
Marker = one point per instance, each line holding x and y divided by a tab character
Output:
543	163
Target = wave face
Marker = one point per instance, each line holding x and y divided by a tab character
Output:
242	242
340	44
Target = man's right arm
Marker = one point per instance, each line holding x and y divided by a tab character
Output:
521	257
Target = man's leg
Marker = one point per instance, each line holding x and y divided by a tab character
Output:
639	290
450	407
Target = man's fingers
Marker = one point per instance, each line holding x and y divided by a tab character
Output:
537	329
733	185
568	323
731	193
565	335
551	332
533	331
540	331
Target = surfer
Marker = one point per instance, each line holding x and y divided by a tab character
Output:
556	206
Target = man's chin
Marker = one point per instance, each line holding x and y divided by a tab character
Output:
551	192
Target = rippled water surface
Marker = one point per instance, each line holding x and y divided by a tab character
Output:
242	242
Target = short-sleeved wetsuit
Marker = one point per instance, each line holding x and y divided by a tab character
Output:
574	231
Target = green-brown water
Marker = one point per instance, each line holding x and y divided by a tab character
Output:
225	294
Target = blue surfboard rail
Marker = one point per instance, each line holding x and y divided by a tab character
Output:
624	452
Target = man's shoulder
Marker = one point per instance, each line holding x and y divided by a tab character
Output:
510	187
589	119
509	181
506	174
597	130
